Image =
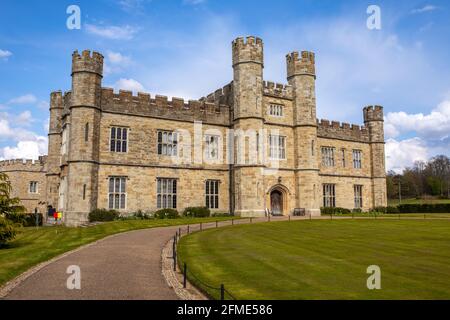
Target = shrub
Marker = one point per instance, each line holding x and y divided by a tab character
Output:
424	208
221	214
166	214
7	231
16	217
357	210
198	212
334	210
103	215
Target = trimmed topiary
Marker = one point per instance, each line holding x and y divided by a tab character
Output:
166	214
103	215
198	212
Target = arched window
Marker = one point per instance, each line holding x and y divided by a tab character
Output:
86	132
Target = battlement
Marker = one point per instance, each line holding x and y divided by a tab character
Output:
56	99
373	113
23	164
221	96
300	64
277	90
249	49
87	62
161	107
335	129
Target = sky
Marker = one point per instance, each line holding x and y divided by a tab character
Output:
182	48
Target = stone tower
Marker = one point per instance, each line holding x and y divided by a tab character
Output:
54	145
83	157
248	64
373	120
301	75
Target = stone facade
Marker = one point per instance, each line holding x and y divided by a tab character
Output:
28	180
254	175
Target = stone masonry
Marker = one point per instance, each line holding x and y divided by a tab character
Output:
269	155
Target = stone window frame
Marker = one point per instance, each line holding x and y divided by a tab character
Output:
212	193
357	159
276	110
277	152
122	141
33	187
328	156
163	198
344	162
358	196
329	195
117	192
170	143
215	145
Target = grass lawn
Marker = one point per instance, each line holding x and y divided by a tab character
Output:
35	245
396	202
323	259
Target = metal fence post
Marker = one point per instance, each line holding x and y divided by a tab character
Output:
331	216
217	224
184	275
201	226
188	229
222	292
251	220
174	254
289	218
232	222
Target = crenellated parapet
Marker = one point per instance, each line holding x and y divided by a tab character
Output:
301	64
277	90
248	49
345	131
143	104
222	96
87	62
373	113
23	165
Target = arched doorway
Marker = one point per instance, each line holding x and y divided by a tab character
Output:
276	202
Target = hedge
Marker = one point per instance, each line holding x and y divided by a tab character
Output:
103	215
334	210
166	213
197	212
425	208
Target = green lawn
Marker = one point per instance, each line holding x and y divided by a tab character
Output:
33	246
323	259
396	202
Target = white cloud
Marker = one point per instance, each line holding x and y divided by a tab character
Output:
403	153
25	118
25	99
426	8
26	149
29	145
5	54
129	84
112	32
116	62
435	125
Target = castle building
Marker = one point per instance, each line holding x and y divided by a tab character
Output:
250	148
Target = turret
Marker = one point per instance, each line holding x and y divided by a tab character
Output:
301	75
83	157
54	147
248	64
373	120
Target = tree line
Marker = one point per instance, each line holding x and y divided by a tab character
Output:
423	179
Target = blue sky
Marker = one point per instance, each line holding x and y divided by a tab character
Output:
183	48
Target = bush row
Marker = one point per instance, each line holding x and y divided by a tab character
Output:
111	215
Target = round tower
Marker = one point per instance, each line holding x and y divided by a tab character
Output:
248	64
301	75
54	148
83	157
374	121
